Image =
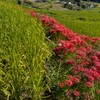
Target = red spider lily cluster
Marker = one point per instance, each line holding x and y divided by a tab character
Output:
85	57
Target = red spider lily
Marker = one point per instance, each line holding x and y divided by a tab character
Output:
82	69
59	60
89	50
96	74
79	57
81	53
86	63
72	62
65	52
60	55
69	82
61	85
77	45
76	93
70	77
31	12
65	44
94	68
88	84
99	91
91	78
82	48
72	49
87	59
76	80
57	49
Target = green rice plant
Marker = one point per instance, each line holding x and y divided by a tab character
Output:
23	53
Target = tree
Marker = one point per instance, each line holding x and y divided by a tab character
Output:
88	0
78	2
20	1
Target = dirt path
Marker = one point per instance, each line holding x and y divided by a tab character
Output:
57	7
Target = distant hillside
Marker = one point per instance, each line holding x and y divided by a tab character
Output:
93	0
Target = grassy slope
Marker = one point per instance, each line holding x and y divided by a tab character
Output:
22	50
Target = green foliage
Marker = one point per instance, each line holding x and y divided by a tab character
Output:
95	5
23	53
70	7
84	6
28	2
66	5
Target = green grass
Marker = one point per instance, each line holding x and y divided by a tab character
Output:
23	53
